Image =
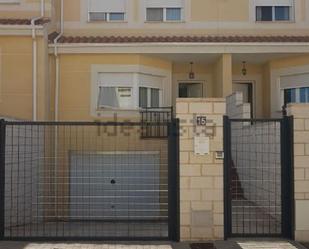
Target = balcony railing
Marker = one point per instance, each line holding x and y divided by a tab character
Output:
155	121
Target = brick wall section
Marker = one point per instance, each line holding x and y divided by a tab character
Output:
201	177
301	168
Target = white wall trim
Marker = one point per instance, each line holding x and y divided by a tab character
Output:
199	48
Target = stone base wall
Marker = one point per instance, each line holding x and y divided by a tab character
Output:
301	169
201	176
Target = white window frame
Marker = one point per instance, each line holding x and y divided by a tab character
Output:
107	16
164	15
291	19
108	13
137	79
297	93
271	3
149	96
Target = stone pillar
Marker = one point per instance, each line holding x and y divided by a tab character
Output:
223	76
301	169
201	177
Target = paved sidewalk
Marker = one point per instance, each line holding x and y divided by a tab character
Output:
33	245
230	244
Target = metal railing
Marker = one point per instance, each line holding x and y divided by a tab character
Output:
154	120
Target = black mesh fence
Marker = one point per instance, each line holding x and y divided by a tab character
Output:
88	180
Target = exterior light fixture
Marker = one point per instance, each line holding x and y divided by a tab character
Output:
191	74
244	69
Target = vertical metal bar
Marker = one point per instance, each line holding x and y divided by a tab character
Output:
2	177
287	176
173	181
227	163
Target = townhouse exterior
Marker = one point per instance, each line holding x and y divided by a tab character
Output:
89	60
161	39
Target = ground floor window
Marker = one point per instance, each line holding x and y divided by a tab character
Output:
128	91
190	90
115	97
296	95
149	97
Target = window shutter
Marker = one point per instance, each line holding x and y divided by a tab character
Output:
116	79
109	6
294	81
164	3
273	2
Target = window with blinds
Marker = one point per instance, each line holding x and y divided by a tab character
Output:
106	11
164	11
274	10
295	88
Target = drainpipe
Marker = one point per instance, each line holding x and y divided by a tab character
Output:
35	62
57	65
57	108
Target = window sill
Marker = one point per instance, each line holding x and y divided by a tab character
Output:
106	22
275	22
104	109
154	22
115	113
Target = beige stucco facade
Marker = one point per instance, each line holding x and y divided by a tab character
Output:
216	68
65	85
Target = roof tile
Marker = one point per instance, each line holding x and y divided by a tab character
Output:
18	21
180	39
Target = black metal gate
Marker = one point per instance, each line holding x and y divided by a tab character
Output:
258	177
84	180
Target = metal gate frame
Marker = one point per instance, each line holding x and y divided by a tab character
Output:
287	176
172	136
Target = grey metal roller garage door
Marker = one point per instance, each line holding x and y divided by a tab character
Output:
117	186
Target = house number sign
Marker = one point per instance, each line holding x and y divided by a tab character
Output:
201	120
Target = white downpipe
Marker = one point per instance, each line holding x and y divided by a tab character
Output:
35	62
57	89
57	65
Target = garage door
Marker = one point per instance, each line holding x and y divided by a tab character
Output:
117	186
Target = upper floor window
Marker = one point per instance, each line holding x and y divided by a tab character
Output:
106	10
164	11
274	10
273	13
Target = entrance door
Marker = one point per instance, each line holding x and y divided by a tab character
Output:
258	177
246	88
190	90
